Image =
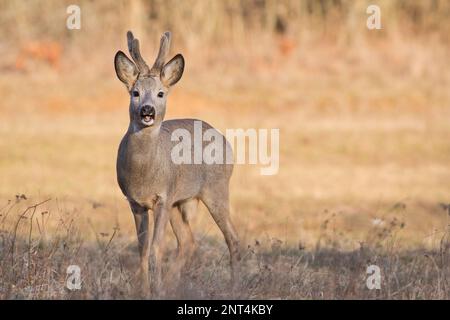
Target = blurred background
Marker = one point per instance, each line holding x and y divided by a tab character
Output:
363	114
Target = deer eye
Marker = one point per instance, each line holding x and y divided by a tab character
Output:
135	93
160	94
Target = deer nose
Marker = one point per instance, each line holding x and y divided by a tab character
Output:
147	110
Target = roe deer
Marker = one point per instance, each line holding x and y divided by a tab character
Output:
146	173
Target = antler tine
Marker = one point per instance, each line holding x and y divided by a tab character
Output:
162	53
130	39
133	48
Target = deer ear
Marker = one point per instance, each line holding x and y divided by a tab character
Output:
125	69
172	70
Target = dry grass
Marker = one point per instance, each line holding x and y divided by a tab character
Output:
34	258
364	150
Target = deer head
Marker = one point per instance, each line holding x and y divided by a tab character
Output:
148	87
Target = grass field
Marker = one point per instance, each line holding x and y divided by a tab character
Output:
364	172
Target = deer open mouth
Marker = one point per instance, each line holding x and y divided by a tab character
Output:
147	116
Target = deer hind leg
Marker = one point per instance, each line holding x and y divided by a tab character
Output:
217	202
179	221
185	238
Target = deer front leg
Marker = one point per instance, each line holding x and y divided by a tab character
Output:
142	224
161	215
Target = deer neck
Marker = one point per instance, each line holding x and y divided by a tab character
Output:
143	141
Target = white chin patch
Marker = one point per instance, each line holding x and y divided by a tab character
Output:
148	121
